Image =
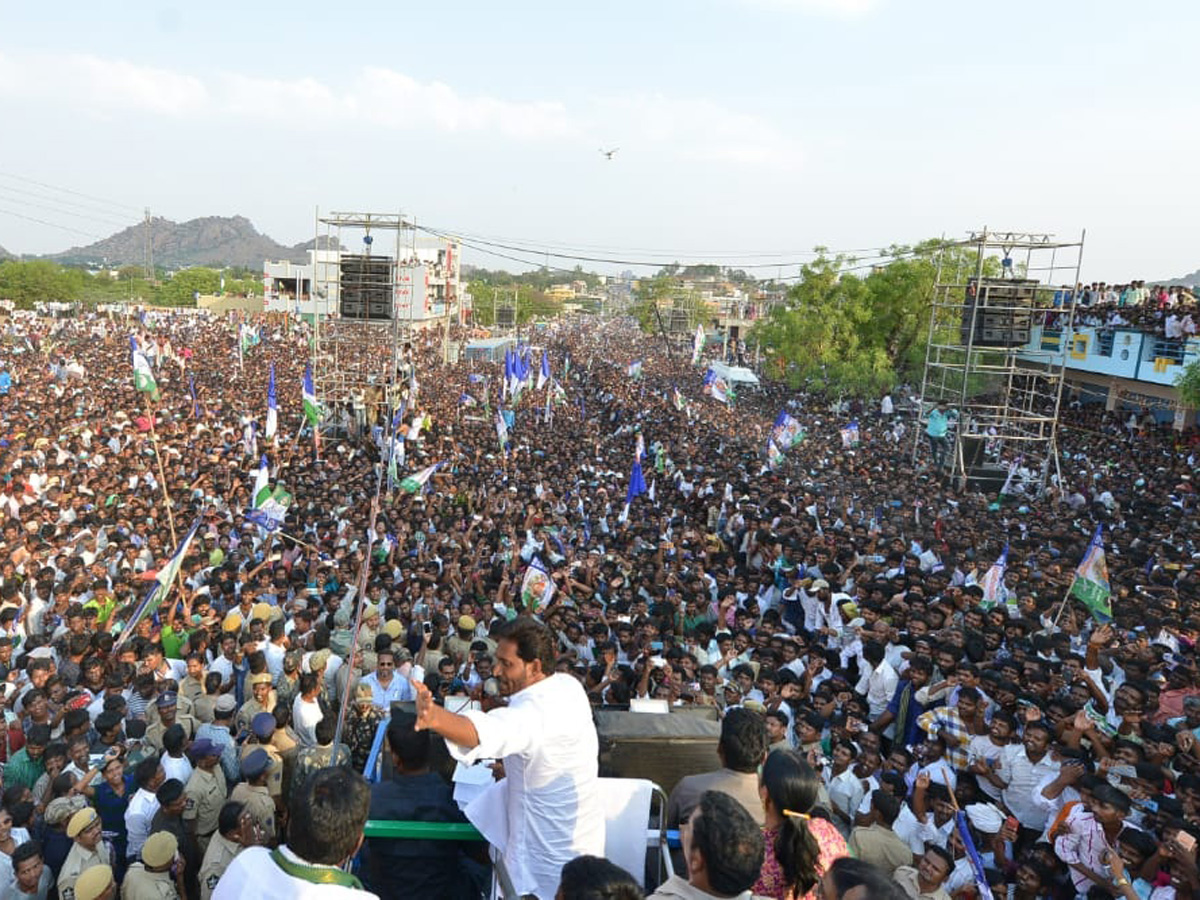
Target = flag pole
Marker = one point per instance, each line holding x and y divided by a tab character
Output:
162	480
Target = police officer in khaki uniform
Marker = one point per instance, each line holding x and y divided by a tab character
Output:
90	849
150	878
168	715
205	793
263	700
97	883
262	727
254	793
237	830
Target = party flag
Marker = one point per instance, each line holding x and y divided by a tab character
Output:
416	481
272	406
1091	584
993	581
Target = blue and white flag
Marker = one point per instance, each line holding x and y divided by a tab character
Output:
850	435
637	482
272	406
192	391
502	431
977	867
466	399
993	581
537	587
166	575
634	369
261	490
543	372
312	409
787	432
774	454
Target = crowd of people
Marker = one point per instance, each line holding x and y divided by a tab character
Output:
829	606
1170	312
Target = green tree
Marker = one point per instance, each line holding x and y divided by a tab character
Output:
1188	383
38	280
184	284
665	293
854	327
532	303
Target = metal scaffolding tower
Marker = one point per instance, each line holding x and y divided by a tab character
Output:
361	353
979	360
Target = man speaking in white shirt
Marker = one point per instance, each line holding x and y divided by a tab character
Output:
547	741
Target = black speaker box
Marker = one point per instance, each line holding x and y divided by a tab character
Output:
661	748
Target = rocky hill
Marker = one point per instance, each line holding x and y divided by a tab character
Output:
211	240
1187	280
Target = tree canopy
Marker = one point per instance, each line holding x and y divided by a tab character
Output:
531	303
856	327
28	282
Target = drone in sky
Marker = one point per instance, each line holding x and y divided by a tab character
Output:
609	154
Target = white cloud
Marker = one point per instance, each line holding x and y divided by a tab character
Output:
390	97
98	85
376	97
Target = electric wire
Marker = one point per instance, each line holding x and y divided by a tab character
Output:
582	257
71	205
64	190
530	245
57	210
9	212
540	263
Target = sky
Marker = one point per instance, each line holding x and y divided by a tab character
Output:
749	131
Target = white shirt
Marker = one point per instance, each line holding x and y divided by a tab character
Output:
305	716
180	768
880	686
1023	778
254	874
274	654
142	807
553	811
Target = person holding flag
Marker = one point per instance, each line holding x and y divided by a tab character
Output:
994	591
312	409
162	587
413	483
143	374
272	406
698	344
1091	586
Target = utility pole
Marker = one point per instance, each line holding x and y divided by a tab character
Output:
149	250
662	331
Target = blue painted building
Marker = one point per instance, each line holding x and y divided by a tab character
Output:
1121	367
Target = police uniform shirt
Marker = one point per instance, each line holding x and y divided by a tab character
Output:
274	771
191	690
217	857
205	792
260	806
252	708
142	885
77	861
154	733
